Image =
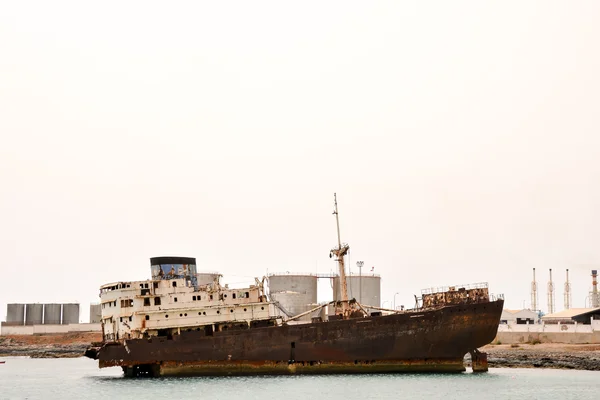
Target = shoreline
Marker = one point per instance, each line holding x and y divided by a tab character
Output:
544	355
66	345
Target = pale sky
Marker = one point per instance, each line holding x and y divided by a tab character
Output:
462	139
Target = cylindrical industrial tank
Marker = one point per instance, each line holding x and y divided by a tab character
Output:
95	313
295	293
52	314
15	314
70	313
206	278
34	314
366	289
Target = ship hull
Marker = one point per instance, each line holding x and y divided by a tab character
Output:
426	341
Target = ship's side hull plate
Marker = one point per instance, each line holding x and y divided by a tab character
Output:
427	341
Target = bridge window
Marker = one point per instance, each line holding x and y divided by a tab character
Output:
174	283
175	299
194	298
146	301
157	301
147	317
233	295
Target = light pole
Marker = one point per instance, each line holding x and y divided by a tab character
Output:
395	300
360	264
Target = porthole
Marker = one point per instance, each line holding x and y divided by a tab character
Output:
167	316
218	312
230	310
199	313
181	315
203	312
244	309
262	308
185	315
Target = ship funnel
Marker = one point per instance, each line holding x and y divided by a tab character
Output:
163	268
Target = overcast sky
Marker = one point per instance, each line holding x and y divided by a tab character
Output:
462	138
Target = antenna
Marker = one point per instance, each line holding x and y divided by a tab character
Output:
550	294
567	298
340	251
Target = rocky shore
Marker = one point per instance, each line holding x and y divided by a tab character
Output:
544	355
47	346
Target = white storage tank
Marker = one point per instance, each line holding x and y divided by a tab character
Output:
295	292
34	314
70	313
95	313
52	314
366	289
15	314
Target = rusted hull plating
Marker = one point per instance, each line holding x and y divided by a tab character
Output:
428	341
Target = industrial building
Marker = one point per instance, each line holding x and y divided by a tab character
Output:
524	316
41	314
573	315
36	318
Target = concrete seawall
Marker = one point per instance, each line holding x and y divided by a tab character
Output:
48	329
547	337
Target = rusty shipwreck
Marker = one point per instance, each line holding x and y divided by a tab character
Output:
174	324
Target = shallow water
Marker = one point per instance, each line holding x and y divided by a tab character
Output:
80	378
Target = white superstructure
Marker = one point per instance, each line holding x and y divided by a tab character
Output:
174	302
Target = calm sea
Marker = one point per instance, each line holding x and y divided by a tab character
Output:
80	378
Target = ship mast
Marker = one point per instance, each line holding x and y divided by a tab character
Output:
340	251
